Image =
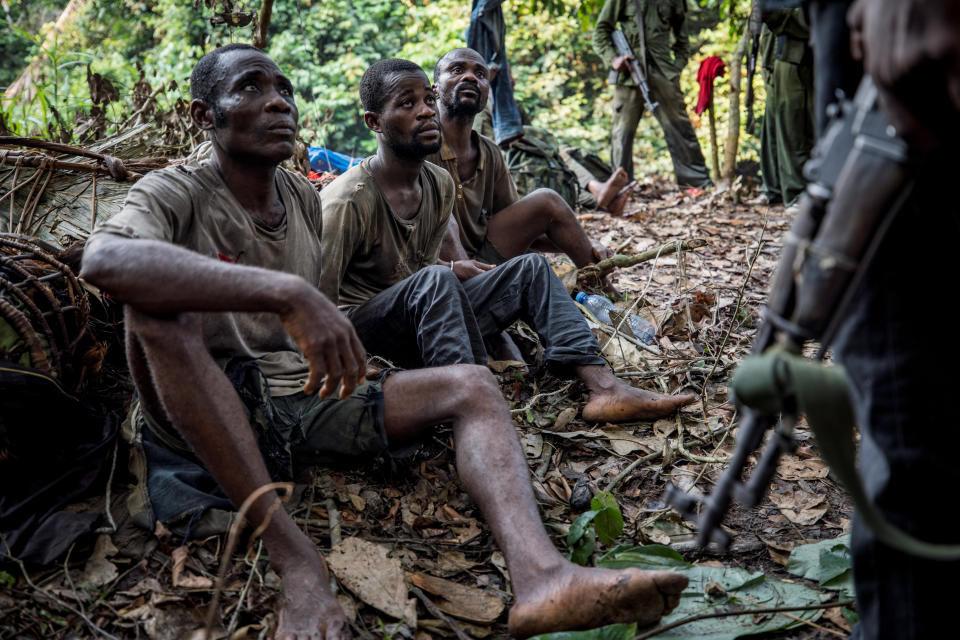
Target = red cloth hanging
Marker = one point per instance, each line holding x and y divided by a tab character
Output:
710	69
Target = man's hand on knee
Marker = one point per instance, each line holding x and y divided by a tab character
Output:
466	269
328	342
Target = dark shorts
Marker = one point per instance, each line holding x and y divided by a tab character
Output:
293	432
488	254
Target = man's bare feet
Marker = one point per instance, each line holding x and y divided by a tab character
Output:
583	598
309	610
607	191
619	201
624	403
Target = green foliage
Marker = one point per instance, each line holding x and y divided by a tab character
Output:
603	521
828	562
7	580
719	589
324	47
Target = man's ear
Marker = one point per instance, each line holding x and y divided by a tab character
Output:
202	115
372	120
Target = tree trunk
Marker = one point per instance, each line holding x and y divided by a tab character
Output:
732	144
23	87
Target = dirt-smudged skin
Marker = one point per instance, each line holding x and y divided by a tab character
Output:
629	403
583	598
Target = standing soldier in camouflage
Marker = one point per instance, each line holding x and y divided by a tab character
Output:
787	137
656	31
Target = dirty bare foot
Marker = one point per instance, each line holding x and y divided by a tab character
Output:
583	598
624	403
619	201
610	189
309	610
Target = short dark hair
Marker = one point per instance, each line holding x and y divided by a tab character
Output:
436	67
203	79
372	92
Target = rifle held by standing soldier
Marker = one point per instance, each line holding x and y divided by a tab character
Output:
623	48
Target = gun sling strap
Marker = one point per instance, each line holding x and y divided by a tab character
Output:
780	382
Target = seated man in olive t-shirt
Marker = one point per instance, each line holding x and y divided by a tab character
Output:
386	262
221	263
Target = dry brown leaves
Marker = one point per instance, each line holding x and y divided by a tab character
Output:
410	524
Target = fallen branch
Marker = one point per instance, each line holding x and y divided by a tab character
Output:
745	612
432	608
590	277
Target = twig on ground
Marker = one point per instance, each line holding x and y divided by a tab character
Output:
287	489
692	456
93	627
533	401
736	307
243	592
333	519
745	612
630	467
432	608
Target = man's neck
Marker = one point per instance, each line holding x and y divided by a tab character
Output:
399	179
253	185
457	131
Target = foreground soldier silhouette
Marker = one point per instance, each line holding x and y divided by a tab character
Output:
222	261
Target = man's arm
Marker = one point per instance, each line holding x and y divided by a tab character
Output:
603	31
452	251
157	277
681	45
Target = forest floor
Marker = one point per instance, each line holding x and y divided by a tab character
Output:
409	544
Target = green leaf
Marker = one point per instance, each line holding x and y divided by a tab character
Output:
743	590
580	553
608	521
654	556
579	526
7	580
828	562
611	632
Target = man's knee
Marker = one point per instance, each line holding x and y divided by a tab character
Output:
471	384
550	203
435	277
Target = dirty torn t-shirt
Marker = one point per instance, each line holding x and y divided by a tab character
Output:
193	208
366	246
480	196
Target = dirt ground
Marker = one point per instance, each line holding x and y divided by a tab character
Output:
706	303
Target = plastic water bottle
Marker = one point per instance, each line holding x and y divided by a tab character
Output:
601	308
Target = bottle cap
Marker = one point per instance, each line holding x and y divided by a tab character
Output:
581	297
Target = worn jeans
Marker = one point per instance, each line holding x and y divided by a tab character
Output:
432	319
900	354
486	35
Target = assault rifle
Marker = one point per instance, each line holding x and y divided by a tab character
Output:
755	24
623	48
859	177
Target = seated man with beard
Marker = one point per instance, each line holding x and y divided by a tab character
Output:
412	301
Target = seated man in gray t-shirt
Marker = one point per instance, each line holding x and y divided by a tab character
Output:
221	263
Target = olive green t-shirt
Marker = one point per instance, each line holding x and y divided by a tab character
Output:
193	208
366	246
481	196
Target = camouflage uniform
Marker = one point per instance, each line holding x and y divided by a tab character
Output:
667	51
787	136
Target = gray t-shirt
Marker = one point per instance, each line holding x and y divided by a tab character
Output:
193	208
366	246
